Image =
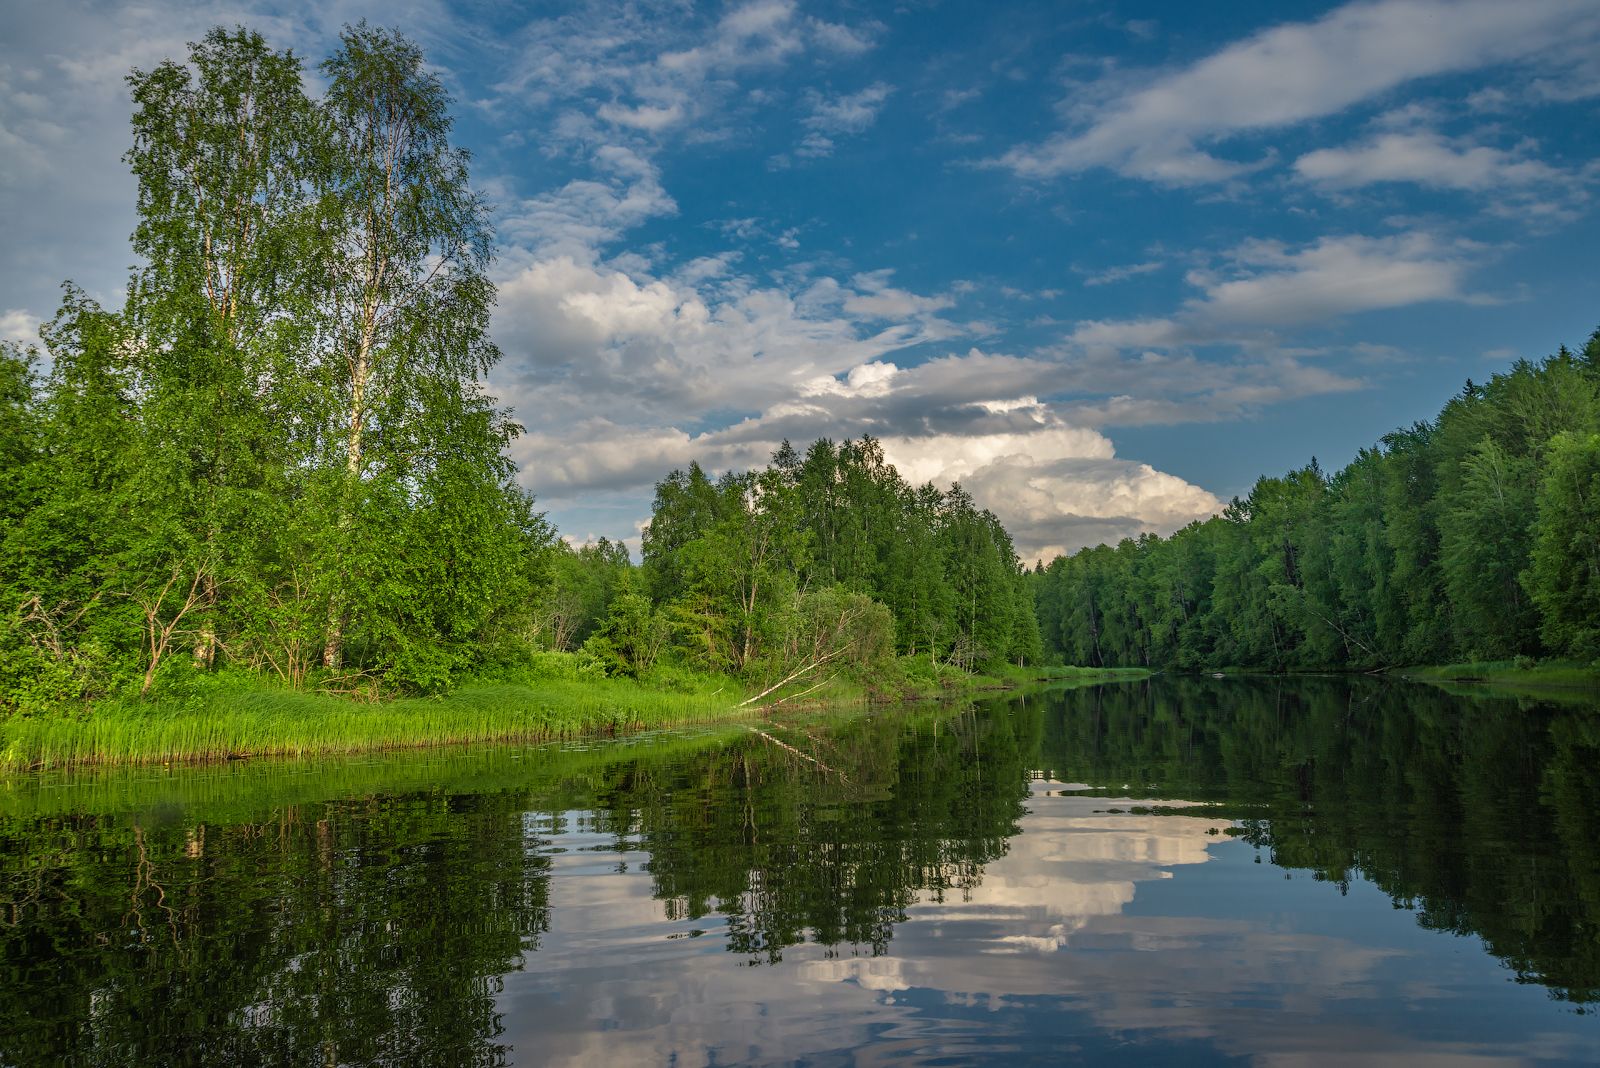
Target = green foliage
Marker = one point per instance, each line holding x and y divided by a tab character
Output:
578	595
630	638
746	569
279	456
839	628
1469	537
1564	576
1484	550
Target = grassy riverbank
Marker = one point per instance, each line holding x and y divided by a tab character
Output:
247	791
233	717
236	721
1511	674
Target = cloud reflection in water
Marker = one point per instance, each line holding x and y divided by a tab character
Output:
1098	934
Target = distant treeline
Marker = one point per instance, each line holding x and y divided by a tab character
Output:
1475	536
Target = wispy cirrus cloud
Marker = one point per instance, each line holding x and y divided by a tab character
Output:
652	72
830	117
1167	129
584	216
1121	273
1263	285
1515	181
1426	158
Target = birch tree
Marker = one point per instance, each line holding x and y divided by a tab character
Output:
405	297
221	153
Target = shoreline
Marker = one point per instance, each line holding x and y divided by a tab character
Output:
1547	678
248	718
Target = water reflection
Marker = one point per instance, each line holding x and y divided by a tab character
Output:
1181	871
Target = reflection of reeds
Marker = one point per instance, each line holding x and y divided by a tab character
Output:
268	797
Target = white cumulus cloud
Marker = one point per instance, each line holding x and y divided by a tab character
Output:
16	325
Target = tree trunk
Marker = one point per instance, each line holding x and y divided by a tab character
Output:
333	647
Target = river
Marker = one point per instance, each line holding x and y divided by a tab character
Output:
1178	871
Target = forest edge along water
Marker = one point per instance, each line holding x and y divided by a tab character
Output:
231	723
268	505
1167	870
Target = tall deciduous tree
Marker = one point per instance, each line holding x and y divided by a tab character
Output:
405	293
222	152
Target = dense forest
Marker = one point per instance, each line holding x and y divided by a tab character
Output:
278	459
829	558
1472	537
817	533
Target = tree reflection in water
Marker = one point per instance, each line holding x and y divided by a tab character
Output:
372	912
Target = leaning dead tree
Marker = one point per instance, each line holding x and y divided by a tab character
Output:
799	673
832	628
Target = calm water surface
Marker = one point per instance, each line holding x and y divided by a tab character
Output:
1178	872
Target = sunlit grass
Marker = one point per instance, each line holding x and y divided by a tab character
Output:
243	791
564	774
275	722
233	717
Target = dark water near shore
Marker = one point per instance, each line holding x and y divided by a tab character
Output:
1179	872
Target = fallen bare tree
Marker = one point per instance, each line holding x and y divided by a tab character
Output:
830	627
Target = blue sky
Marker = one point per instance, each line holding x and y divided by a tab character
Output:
1102	262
